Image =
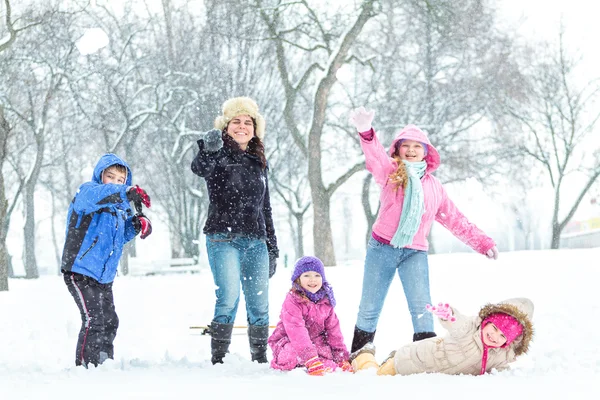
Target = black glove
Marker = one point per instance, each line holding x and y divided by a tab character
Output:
272	264
213	140
138	195
142	225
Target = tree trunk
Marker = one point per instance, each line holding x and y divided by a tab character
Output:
555	243
128	248
323	239
57	249
300	237
3	267
322	236
371	216
175	245
4	258
29	261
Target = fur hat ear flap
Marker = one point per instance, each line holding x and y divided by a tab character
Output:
241	106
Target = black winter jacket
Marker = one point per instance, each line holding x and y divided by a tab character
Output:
238	191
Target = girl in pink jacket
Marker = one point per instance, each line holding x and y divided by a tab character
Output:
308	333
411	199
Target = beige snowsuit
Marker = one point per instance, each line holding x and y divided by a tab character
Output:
461	350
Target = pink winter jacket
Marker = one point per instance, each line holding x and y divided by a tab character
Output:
438	205
312	329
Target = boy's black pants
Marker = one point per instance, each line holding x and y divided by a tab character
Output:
99	321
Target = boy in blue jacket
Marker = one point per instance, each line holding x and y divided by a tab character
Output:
99	223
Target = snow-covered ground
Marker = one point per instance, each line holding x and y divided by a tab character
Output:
159	357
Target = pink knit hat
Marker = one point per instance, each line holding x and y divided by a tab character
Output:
510	327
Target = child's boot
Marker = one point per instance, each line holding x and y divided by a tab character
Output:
423	335
220	341
388	367
364	358
258	336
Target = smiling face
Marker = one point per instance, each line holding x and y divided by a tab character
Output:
241	129
311	281
411	151
492	336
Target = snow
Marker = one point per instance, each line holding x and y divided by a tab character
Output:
159	357
92	40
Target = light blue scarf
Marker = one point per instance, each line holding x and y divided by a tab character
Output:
413	206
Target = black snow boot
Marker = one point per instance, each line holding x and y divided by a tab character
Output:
361	338
258	335
423	335
220	340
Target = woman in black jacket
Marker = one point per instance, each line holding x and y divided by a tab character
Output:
240	237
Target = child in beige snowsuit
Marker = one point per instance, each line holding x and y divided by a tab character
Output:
474	344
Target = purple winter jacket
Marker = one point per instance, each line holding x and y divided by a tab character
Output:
306	330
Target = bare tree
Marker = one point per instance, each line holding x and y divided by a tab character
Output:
33	112
4	256
298	33
6	208
4	132
9	25
289	183
559	118
438	65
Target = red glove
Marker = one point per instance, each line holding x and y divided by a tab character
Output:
315	367
142	225
138	195
346	366
442	311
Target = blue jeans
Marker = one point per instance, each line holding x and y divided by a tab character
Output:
381	263
234	260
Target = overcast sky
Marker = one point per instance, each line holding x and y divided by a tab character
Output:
541	19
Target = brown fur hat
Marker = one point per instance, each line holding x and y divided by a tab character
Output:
522	310
241	106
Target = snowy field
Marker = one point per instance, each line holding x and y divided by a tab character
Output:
159	357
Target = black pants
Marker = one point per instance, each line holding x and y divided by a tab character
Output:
99	321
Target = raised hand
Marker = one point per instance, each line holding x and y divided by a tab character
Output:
142	225
315	367
442	311
138	195
213	140
492	253
361	119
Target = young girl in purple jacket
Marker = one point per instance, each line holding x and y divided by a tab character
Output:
308	333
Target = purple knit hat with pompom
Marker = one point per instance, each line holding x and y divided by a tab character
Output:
309	263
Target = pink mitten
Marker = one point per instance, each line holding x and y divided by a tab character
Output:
442	311
492	253
361	119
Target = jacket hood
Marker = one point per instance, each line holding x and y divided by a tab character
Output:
106	161
412	132
522	310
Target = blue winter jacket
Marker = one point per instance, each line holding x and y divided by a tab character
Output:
99	223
